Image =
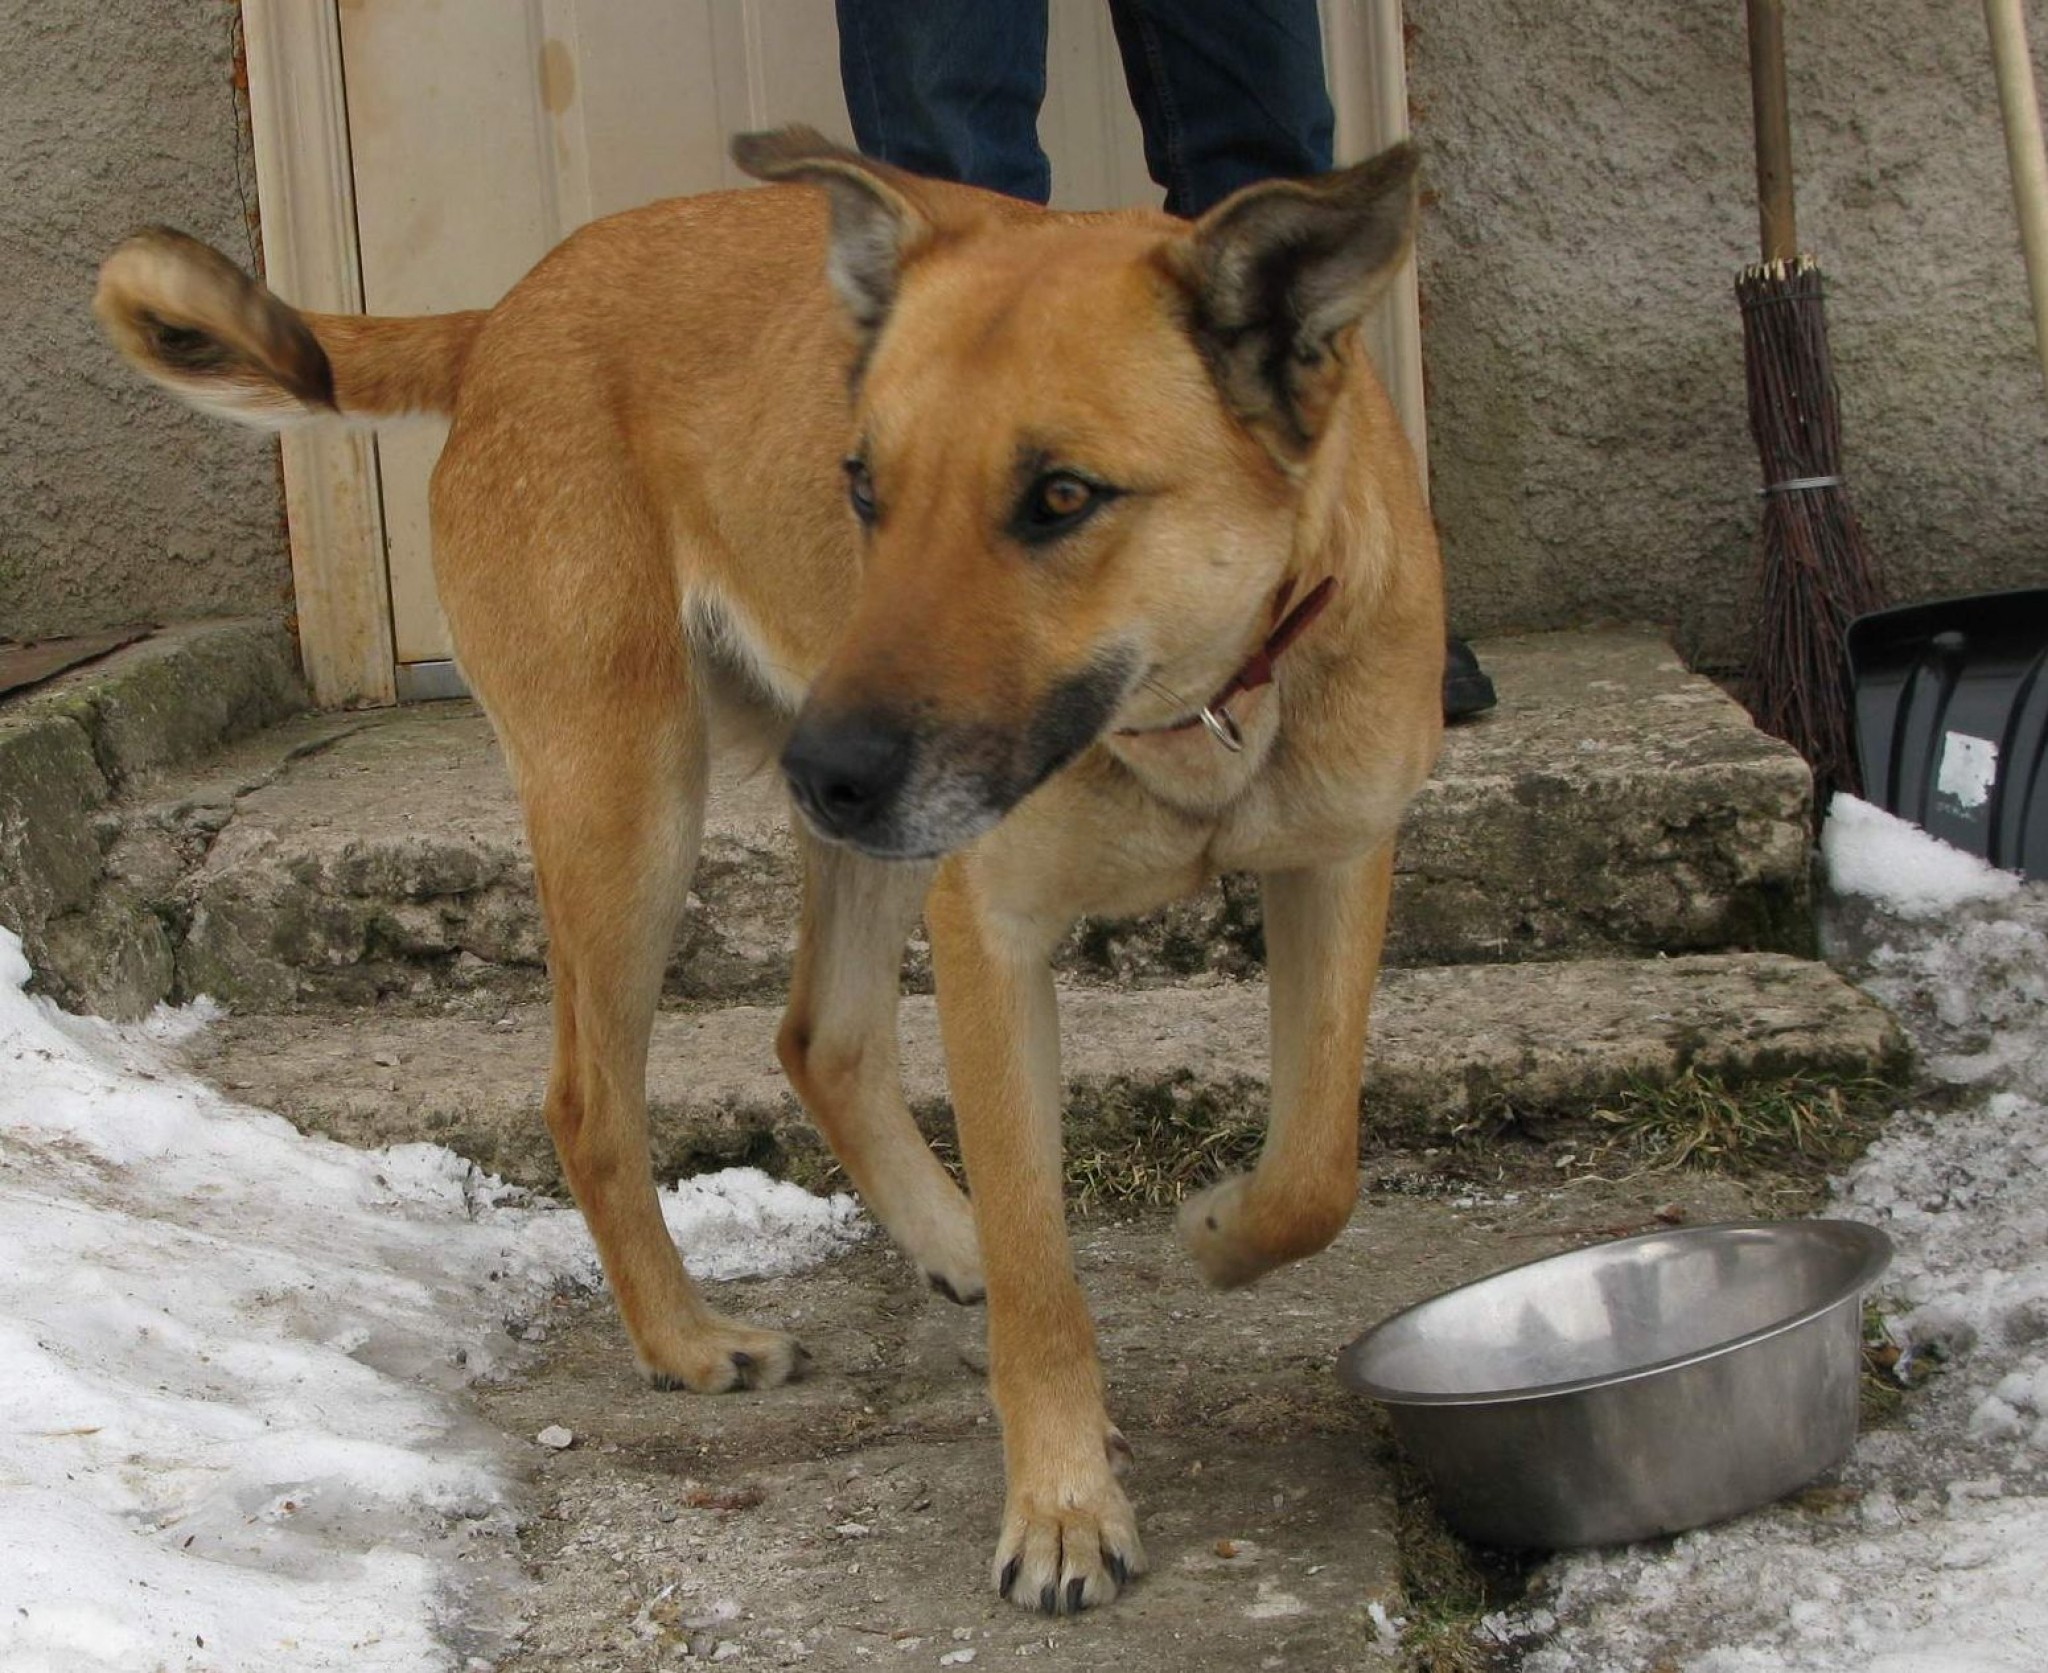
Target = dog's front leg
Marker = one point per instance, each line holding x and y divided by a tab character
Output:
838	1045
1068	1539
1324	929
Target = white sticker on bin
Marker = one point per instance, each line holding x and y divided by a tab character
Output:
1969	768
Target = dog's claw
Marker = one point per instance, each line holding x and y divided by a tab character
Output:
726	1355
1071	1547
942	1285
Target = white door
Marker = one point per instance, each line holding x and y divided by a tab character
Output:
480	132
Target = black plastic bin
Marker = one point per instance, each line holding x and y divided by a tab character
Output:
1952	721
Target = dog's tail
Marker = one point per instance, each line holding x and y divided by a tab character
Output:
186	317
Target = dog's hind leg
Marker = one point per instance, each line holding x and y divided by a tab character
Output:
615	831
615	814
1324	929
607	742
838	1045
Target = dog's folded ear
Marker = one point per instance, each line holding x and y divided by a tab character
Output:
877	223
1275	276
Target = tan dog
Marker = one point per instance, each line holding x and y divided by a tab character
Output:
1101	468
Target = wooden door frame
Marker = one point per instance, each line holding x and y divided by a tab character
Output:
1366	54
306	190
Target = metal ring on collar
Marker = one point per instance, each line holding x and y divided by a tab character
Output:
1223	729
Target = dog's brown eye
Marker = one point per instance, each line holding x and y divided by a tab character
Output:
1057	502
860	489
1060	497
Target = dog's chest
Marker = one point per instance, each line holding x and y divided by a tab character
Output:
1191	770
1097	842
1308	809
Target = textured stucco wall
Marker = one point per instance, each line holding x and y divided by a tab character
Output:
1595	193
116	504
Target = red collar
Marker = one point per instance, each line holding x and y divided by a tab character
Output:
1289	625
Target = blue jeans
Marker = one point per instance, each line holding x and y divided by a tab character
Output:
1228	92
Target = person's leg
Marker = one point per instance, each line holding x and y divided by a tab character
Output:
1228	92
949	88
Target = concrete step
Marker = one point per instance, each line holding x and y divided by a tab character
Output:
87	753
1613	804
1454	1049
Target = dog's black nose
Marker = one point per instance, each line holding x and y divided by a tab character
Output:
845	771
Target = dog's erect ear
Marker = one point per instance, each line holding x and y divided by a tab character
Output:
1276	273
876	223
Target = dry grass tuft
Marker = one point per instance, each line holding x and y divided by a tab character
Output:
1149	1146
1802	1125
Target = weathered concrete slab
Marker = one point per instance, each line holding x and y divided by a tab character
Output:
872	1490
864	1501
1451	1047
179	695
26	665
379	854
1614	803
104	940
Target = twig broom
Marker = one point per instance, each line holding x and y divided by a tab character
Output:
1814	574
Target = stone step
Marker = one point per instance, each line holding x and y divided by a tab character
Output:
1613	804
1455	1049
87	753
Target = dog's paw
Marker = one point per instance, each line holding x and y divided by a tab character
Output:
948	1252
1069	1542
723	1355
1211	1228
1238	1233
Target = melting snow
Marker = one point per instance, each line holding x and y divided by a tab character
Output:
230	1359
1936	1560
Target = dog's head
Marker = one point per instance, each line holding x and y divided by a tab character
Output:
1079	455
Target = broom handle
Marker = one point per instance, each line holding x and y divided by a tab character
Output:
2023	152
1778	226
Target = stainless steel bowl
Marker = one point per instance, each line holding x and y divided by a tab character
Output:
1633	1389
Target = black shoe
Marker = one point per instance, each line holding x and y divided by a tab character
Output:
1468	690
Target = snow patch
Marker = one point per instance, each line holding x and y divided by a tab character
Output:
230	1360
1875	854
1932	1560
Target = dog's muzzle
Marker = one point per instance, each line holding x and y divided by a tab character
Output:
847	773
898	790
